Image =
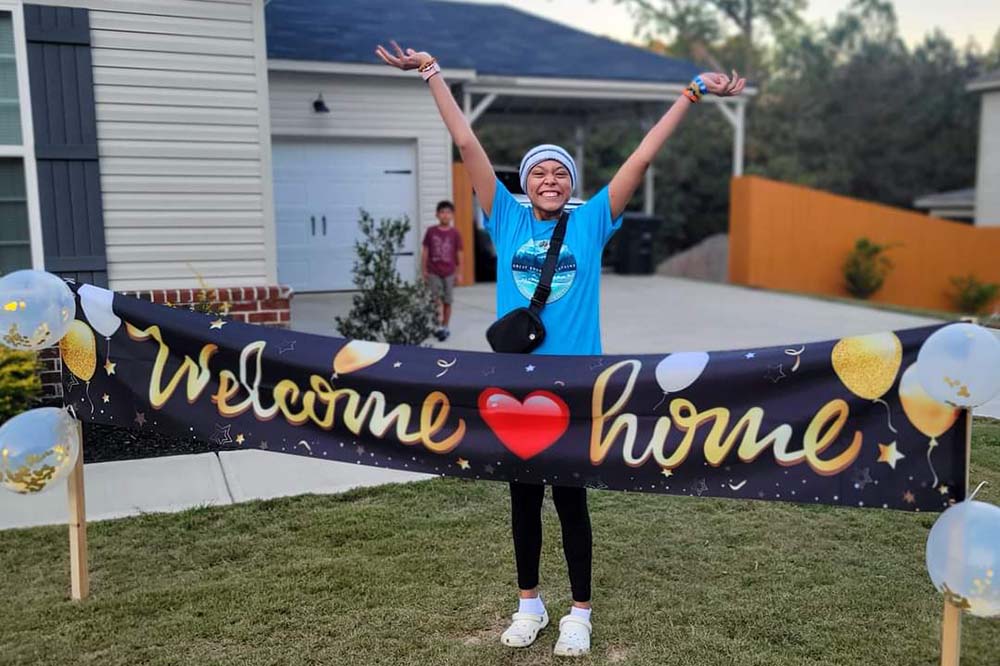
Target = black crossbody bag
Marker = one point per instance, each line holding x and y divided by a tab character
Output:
520	331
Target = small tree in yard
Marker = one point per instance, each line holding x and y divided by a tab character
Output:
386	308
866	268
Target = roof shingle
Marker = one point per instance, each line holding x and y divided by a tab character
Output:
492	39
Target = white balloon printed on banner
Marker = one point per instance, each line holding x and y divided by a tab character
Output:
97	306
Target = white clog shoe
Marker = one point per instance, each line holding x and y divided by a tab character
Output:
523	629
574	637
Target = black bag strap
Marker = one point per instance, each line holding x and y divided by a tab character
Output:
544	287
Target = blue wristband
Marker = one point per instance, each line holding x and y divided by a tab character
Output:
701	85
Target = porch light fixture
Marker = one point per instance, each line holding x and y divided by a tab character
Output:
319	106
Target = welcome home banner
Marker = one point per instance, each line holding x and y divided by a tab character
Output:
841	422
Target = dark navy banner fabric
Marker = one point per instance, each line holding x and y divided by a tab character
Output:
839	422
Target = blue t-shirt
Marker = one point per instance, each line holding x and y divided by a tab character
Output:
572	315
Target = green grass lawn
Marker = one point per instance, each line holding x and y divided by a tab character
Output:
423	574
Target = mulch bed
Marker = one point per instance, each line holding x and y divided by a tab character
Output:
104	443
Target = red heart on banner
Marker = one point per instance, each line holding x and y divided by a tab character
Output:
525	428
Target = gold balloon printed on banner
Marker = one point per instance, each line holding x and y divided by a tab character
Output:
357	355
868	364
927	415
79	350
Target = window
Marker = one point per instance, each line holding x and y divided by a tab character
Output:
15	244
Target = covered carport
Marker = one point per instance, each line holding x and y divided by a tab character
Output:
586	102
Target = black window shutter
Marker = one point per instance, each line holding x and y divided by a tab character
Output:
62	104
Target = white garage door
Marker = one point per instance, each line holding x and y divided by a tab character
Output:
319	187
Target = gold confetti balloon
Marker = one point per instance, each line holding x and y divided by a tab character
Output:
868	364
357	355
960	364
963	557
929	416
78	349
36	309
37	449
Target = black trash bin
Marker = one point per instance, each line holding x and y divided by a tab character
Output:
635	240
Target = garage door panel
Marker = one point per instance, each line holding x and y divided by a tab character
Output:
334	179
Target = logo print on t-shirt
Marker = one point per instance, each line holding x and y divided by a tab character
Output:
527	267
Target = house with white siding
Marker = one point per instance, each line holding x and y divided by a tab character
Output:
140	132
979	205
348	132
162	146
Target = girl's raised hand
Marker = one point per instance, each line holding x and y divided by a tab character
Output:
408	59
722	85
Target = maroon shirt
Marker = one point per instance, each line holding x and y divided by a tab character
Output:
442	245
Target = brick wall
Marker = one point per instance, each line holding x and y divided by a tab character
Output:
268	306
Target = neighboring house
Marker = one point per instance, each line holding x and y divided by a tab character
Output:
140	131
349	132
979	204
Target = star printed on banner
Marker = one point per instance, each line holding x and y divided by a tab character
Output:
749	355
105	398
529	368
73	382
862	478
240	439
140	418
221	435
887	453
286	346
486	373
667	473
943	489
775	373
360	450
397	364
218	323
488	469
109	367
263	444
700	487
463	463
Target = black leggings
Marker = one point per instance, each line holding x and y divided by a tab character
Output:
526	522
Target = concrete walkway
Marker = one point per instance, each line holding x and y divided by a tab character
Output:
639	314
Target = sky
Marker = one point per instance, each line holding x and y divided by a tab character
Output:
959	19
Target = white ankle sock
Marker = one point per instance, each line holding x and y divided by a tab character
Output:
582	613
532	605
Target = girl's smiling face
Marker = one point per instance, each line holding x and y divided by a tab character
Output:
549	188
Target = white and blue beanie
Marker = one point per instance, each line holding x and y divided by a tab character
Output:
546	151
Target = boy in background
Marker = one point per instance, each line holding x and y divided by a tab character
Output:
442	263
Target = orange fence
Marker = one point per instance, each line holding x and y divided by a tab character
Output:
795	238
461	188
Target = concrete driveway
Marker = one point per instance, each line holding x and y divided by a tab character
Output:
651	314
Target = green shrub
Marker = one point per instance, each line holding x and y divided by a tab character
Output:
20	385
971	295
866	268
386	308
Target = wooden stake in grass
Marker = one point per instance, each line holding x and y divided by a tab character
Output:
79	576
951	622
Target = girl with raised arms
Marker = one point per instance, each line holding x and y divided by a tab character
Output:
571	315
